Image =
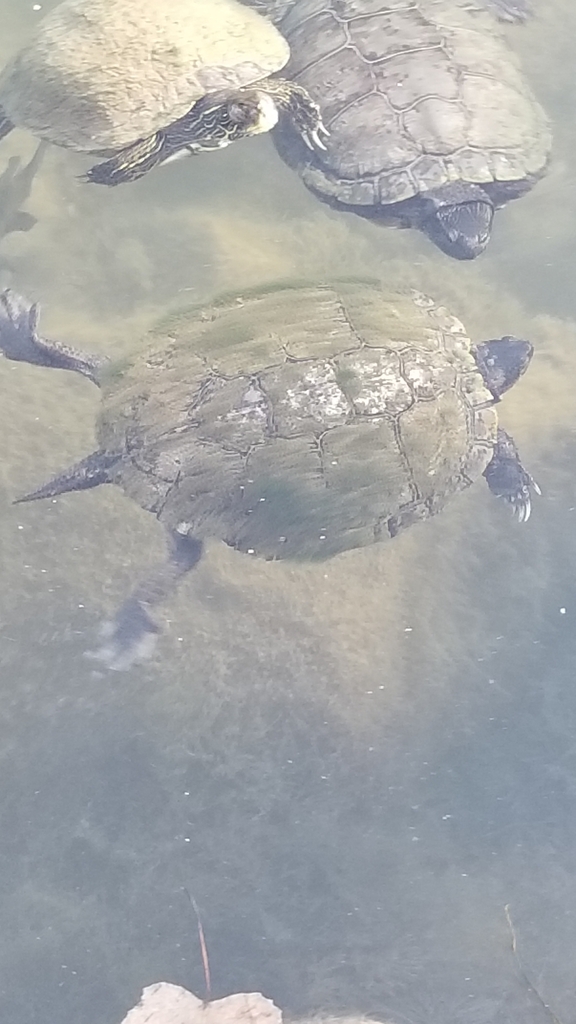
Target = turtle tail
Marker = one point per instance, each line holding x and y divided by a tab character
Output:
92	471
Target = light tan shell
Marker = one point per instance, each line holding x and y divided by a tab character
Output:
100	74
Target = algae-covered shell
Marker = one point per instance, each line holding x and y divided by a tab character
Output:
300	422
297	421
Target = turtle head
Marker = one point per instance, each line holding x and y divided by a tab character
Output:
216	120
255	112
250	113
502	361
458	219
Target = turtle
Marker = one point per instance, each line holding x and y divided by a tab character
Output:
432	123
295	421
144	82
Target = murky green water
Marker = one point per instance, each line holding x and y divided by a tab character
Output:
353	767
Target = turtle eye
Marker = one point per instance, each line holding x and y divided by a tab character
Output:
237	112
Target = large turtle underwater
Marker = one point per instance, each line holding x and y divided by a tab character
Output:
148	81
432	123
294	422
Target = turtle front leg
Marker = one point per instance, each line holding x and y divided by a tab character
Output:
507	478
131	635
296	103
20	340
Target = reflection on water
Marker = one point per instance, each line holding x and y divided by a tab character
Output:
353	767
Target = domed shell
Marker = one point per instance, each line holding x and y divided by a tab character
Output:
415	96
100	74
301	422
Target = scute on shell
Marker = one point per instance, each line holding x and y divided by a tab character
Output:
415	96
300	422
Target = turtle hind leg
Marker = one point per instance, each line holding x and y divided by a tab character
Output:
20	340
295	102
6	125
131	635
130	163
507	478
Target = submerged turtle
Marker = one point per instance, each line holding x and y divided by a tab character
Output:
148	81
297	422
432	124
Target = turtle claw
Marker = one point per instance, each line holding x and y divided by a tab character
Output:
508	480
303	113
521	507
521	501
313	140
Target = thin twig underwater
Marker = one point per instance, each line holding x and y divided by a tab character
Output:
203	948
522	971
165	1003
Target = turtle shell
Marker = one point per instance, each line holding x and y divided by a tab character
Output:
415	96
301	421
100	74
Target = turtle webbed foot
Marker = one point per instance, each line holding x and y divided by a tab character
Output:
18	328
507	478
20	341
300	108
130	637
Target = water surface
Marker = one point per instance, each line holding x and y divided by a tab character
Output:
354	767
